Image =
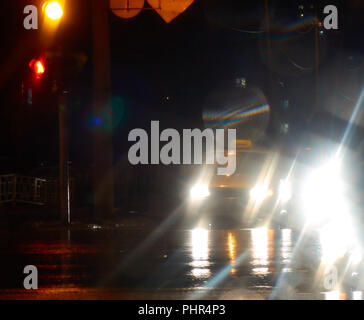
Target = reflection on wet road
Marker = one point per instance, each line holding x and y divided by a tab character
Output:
233	264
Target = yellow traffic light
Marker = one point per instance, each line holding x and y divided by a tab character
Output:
53	10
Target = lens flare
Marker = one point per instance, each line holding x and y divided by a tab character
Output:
244	109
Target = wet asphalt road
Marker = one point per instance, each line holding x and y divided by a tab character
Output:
124	263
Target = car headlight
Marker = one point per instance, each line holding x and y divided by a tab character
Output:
199	191
285	191
260	193
323	194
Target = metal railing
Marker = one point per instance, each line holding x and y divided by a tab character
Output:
31	190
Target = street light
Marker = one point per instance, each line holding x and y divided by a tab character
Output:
53	10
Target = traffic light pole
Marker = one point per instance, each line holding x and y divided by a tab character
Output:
64	176
103	178
62	84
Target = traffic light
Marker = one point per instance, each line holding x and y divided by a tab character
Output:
37	67
53	10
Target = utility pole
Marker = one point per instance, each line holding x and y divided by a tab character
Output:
64	180
103	177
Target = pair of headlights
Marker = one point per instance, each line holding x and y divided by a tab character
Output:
201	191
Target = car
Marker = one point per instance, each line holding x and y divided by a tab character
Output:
255	194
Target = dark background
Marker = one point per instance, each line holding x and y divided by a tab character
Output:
167	71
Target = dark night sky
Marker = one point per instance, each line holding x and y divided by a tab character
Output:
185	60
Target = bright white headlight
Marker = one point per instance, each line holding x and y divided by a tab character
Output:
260	192
323	194
199	191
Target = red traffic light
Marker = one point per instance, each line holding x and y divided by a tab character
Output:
37	67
